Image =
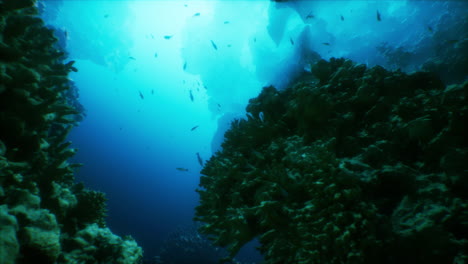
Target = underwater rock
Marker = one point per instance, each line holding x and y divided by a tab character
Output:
9	246
41	243
43	212
99	245
364	166
65	198
38	233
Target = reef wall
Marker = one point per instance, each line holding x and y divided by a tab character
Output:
349	165
45	217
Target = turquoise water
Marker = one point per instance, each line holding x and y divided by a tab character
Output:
161	81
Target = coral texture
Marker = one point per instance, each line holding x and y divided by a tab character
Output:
44	216
359	166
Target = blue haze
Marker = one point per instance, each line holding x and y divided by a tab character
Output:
139	61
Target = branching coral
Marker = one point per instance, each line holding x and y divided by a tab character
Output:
360	166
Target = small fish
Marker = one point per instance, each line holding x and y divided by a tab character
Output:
326	43
132	58
214	45
193	128
261	116
182	169
310	16
342	18
152	36
255	39
291	40
229	45
430	29
141	95
452	41
200	161
152	91
106	15
185	66
168	37
226	22
219	105
196	14
191	96
155	54
379	18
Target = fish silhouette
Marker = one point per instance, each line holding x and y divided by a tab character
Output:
214	45
200	161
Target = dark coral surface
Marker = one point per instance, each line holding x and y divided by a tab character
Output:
45	217
359	166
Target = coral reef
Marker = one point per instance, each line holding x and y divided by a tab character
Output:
45	217
357	166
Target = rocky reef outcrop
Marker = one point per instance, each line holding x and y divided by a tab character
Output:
45	217
362	165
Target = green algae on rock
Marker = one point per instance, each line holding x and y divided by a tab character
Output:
45	217
360	166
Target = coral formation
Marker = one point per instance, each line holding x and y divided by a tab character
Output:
362	165
44	216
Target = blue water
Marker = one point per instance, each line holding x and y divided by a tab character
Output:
150	71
